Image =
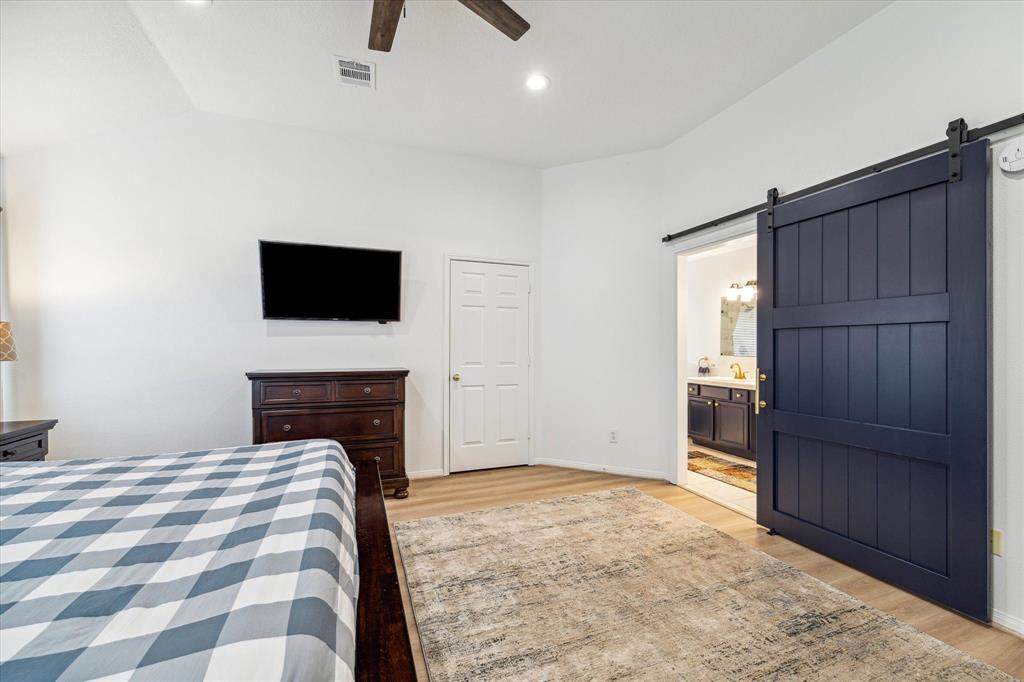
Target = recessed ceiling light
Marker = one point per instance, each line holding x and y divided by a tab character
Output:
537	82
198	2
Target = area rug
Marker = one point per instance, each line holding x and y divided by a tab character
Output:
740	475
618	585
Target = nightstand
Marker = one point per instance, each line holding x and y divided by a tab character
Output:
24	441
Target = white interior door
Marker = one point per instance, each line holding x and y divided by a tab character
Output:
489	364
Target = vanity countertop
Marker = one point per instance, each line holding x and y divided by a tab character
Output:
727	382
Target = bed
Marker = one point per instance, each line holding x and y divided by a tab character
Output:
258	562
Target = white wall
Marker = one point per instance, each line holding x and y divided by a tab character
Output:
134	277
603	337
887	86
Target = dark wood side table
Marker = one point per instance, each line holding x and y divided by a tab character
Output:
25	441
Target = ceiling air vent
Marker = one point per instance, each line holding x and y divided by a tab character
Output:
352	72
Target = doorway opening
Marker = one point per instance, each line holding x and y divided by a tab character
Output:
717	333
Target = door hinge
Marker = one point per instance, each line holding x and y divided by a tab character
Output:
956	134
773	196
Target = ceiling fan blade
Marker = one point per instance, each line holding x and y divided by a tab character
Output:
384	23
500	16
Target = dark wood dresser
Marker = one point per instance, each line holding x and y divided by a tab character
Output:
362	409
25	441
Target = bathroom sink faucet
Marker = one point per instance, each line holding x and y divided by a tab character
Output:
737	371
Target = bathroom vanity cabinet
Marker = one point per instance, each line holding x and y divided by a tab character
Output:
722	418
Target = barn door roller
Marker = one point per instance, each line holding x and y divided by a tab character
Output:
956	134
773	196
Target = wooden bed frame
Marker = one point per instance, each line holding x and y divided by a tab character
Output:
383	650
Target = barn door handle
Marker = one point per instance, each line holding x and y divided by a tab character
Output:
758	403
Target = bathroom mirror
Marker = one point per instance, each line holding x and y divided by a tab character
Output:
739	328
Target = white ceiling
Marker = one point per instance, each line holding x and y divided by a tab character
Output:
625	75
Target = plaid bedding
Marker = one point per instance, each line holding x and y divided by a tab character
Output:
230	564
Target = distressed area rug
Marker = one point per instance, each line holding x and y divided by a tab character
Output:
718	468
620	586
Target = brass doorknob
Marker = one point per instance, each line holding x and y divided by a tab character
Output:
763	377
762	404
456	377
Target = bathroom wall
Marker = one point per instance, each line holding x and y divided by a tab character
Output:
709	274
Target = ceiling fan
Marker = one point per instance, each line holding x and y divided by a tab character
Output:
386	14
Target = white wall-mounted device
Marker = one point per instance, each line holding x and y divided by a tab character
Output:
1011	156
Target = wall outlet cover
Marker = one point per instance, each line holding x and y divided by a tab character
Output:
613	436
997	542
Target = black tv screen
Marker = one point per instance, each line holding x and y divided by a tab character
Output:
309	282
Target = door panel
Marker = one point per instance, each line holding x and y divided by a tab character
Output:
489	351
872	332
701	418
731	421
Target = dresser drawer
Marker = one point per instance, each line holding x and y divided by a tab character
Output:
311	392
355	391
740	396
693	389
341	424
361	453
27	449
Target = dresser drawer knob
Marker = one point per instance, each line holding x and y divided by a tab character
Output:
287	427
376	422
297	391
366	390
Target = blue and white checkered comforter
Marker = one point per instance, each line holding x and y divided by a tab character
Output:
230	564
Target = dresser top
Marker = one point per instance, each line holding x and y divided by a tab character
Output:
326	373
10	430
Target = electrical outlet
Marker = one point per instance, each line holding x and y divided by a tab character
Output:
997	542
613	436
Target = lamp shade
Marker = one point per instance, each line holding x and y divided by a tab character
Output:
7	349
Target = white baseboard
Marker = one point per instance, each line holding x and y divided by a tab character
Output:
426	473
608	469
1012	623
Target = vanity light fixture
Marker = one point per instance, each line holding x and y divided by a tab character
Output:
749	290
745	292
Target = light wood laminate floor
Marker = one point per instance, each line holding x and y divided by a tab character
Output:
501	487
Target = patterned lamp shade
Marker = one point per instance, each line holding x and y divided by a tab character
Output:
7	348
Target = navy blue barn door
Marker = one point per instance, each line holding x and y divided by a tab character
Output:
872	343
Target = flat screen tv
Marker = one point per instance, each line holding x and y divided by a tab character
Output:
310	282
